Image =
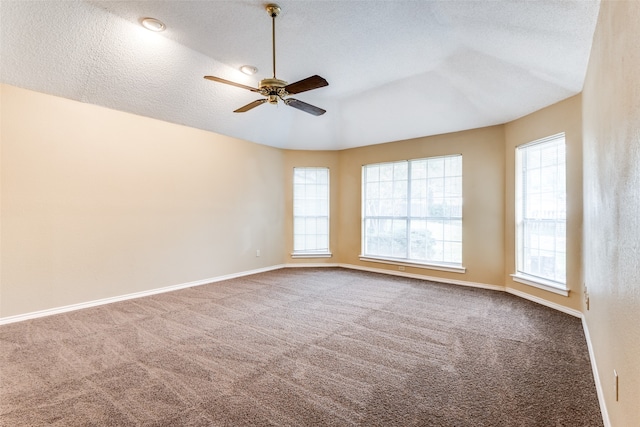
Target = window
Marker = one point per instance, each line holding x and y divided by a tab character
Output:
541	212
310	212
412	211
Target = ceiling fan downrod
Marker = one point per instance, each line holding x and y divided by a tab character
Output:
274	11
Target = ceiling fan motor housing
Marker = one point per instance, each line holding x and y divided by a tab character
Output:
272	84
273	89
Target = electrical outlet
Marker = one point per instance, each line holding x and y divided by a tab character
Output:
587	301
615	384
586	296
258	253
401	267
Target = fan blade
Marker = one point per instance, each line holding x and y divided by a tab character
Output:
307	108
310	83
229	82
251	105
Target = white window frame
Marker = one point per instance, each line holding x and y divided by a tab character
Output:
523	274
311	213
408	216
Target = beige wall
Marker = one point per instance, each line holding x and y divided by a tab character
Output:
611	117
300	158
483	188
98	203
565	116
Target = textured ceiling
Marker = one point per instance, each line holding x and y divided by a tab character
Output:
396	69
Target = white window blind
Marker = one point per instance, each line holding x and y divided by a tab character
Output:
412	210
310	211
541	210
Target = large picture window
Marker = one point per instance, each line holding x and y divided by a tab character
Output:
412	211
541	211
310	212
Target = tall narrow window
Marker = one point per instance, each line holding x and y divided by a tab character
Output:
412	211
311	212
541	212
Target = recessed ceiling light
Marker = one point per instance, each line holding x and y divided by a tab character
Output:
249	69
153	24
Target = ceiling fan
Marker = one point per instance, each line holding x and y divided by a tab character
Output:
274	88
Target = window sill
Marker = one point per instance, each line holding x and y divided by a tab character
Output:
311	255
431	266
539	283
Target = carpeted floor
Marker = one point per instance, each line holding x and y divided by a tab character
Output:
301	347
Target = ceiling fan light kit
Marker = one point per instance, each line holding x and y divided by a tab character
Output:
274	89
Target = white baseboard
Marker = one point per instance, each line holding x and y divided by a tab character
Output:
103	301
80	306
571	311
310	264
596	376
424	277
515	292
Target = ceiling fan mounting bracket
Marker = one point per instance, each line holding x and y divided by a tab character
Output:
273	9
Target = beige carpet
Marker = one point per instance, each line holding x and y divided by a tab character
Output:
301	347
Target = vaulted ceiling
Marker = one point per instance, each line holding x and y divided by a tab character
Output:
396	69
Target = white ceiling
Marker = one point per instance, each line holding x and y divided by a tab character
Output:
396	69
